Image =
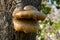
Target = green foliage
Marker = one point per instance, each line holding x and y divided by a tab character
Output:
42	38
46	10
58	2
58	38
56	25
53	31
52	1
58	7
39	32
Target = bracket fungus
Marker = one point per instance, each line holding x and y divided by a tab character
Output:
26	19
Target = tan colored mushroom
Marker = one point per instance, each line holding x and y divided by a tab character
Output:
26	19
26	26
28	12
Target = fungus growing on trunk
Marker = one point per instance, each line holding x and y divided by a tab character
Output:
26	20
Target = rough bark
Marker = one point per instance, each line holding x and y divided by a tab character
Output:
6	27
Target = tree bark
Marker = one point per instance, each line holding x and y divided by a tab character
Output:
7	31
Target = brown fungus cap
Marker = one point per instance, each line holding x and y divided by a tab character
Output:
26	26
28	12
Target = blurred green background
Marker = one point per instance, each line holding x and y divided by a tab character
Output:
50	29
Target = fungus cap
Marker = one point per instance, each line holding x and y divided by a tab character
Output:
26	26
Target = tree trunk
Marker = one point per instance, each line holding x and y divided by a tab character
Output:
7	31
